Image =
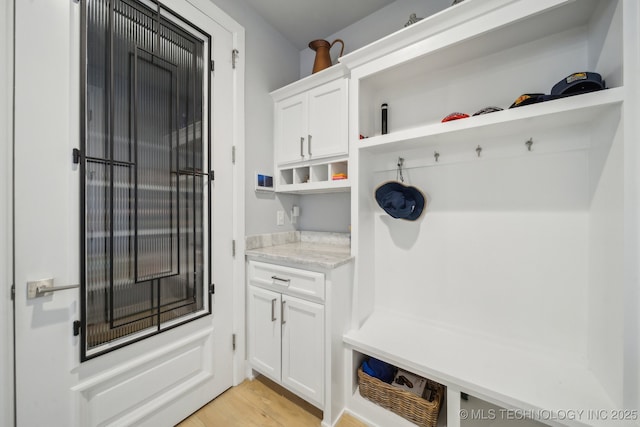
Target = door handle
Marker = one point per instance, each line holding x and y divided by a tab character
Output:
309	145
44	287
302	146
282	311
273	310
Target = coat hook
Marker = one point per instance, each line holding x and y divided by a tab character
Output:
399	172
529	143
479	150
436	155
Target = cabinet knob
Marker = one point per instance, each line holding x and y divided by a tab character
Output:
273	309
309	145
301	146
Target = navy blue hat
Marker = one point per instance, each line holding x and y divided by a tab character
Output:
578	83
400	201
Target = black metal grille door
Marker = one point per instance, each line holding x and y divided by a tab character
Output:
145	197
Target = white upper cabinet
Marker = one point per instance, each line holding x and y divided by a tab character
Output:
311	119
311	142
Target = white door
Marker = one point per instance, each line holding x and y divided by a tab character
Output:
265	331
303	348
156	381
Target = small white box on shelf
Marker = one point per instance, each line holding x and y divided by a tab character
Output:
412	383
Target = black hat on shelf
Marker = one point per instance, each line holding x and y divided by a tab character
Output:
487	110
527	99
577	83
400	201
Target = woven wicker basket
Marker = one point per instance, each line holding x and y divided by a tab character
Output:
409	406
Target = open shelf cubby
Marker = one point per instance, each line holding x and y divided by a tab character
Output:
314	177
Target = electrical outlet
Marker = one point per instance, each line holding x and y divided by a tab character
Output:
280	218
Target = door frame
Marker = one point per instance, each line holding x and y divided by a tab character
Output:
7	141
238	108
6	215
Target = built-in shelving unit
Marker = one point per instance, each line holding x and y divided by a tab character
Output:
516	285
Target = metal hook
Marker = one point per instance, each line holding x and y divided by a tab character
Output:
436	155
399	172
479	150
529	143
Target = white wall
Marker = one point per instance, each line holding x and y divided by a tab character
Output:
385	21
325	212
331	212
271	62
6	312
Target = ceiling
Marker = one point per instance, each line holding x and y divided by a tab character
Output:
301	21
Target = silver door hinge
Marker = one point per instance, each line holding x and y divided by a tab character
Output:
233	342
233	154
212	65
234	57
233	248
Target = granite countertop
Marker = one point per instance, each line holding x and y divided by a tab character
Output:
309	249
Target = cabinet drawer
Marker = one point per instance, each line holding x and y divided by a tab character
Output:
290	281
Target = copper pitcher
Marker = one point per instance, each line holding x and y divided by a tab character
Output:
322	48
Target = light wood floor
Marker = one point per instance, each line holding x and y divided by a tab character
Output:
260	403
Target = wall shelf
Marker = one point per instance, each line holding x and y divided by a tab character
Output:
342	185
527	120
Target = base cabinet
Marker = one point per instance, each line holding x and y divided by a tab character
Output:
286	341
296	319
286	332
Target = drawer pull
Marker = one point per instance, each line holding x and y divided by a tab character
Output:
273	310
280	279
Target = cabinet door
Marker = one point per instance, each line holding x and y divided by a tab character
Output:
291	129
328	121
265	331
303	348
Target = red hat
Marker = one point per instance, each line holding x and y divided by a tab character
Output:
455	116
